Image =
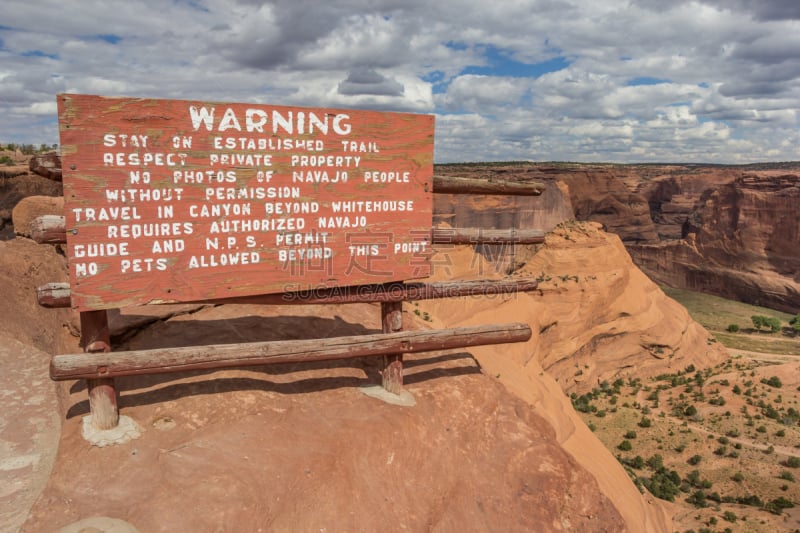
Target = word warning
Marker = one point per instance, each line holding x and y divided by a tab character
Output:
179	201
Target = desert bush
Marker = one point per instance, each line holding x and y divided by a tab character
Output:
733	328
663	484
698	499
792	462
777	505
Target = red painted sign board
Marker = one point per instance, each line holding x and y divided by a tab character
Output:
178	201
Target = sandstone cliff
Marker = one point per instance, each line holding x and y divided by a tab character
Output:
493	440
298	447
596	318
739	240
726	230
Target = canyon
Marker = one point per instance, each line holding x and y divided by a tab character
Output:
732	231
493	441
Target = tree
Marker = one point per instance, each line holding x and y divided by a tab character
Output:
773	381
774	324
795	323
760	321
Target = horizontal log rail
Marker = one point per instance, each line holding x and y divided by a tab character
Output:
165	360
57	295
486	236
459	185
54	295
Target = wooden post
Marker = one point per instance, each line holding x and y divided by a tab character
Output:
392	373
96	338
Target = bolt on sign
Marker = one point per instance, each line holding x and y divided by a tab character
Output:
177	201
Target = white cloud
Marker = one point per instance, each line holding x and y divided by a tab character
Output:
728	71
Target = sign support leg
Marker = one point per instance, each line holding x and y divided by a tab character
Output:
95	338
392	320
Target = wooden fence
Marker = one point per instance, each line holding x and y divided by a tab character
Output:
99	366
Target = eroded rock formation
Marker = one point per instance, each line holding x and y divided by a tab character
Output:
739	240
725	230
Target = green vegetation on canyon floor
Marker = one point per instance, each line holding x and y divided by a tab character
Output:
722	443
717	315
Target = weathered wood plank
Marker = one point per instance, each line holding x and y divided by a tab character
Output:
165	360
57	295
96	340
53	295
459	185
487	236
179	201
49	229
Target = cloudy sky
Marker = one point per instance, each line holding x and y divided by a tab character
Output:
578	80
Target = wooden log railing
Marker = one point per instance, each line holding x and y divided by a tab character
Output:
163	360
459	185
57	295
486	236
99	366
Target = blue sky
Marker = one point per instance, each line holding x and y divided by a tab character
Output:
591	80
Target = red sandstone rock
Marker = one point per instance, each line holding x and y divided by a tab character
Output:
31	207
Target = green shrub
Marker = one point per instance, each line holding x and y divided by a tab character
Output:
777	505
698	499
733	328
625	446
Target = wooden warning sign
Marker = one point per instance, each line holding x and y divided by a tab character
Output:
176	201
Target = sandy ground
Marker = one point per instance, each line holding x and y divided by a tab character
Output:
30	427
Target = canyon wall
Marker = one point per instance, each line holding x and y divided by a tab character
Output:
725	230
